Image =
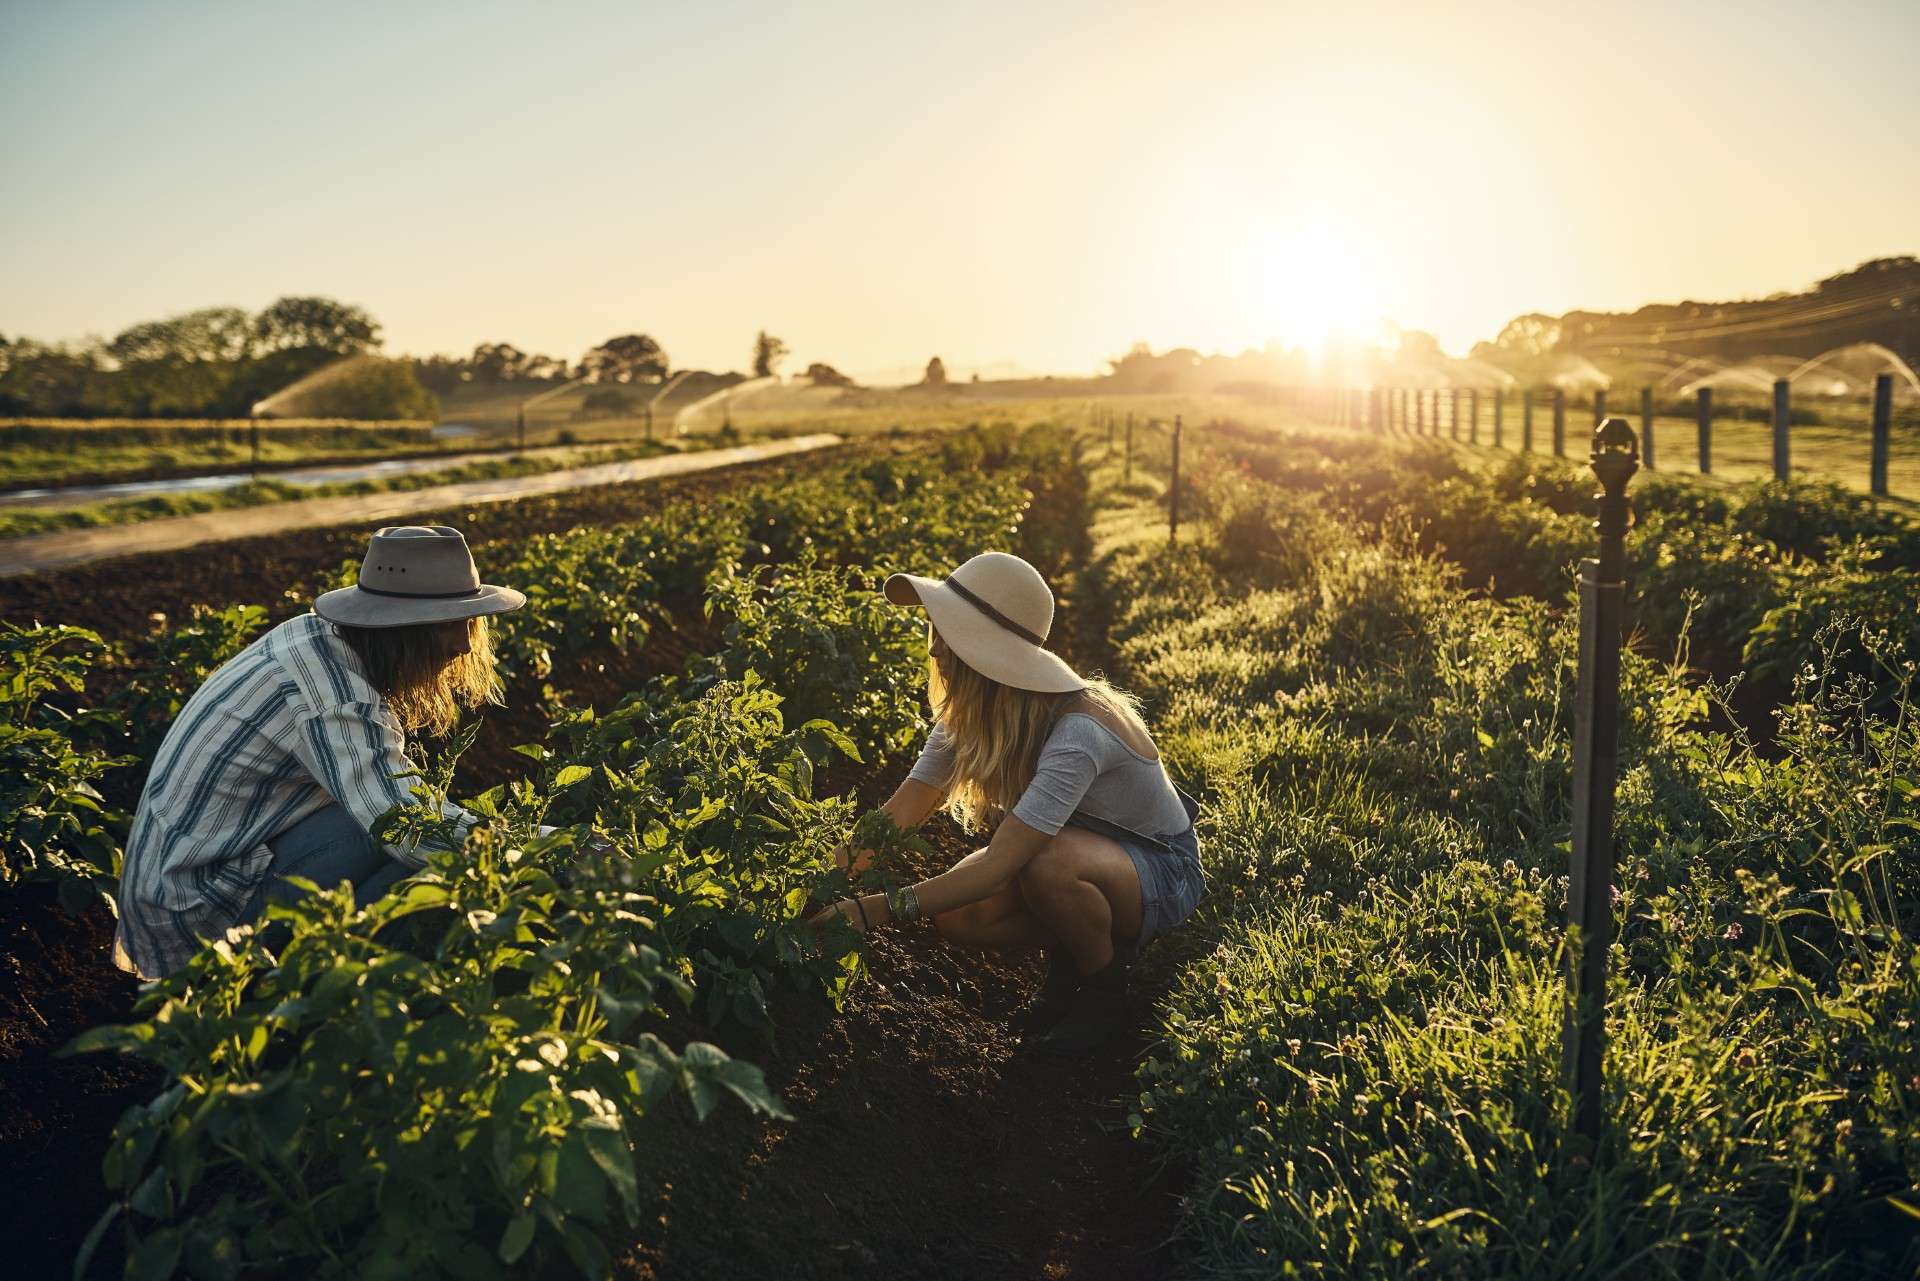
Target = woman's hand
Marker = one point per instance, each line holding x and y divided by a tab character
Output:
847	910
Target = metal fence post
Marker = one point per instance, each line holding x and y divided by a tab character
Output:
1559	423
1882	432
1499	416
1453	413
1526	421
1782	413
1646	427
1704	413
1173	488
1473	416
1596	727
1126	477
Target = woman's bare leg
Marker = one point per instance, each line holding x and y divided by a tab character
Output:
1082	888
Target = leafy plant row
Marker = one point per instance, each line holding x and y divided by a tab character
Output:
452	1080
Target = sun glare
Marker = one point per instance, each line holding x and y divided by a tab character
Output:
1316	287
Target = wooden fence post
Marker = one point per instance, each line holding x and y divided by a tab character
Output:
1473	416
1559	422
1596	730
253	430
1126	477
1419	411
1704	413
1499	416
1173	488
1526	421
1882	433
1453	414
1782	412
1646	427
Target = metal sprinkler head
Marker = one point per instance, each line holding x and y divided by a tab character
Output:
1616	454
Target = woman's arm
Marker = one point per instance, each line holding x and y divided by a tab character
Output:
912	803
1013	846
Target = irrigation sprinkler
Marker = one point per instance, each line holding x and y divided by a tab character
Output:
1596	733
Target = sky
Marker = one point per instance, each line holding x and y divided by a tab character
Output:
1041	184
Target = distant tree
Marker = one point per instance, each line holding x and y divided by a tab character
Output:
210	334
316	324
497	362
936	375
1533	334
57	381
768	352
826	376
626	359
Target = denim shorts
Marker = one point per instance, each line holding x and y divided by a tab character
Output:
1171	882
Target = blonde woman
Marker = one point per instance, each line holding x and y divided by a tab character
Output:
1093	850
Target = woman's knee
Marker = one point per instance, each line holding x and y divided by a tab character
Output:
1057	864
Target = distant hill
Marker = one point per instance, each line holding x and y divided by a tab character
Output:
1876	302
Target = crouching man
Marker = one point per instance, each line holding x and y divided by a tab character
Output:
282	761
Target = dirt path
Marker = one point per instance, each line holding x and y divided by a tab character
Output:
44	552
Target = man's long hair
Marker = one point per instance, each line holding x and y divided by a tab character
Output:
425	690
998	731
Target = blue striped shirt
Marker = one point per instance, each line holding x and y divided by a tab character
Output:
287	727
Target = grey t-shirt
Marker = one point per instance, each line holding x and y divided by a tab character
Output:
1083	765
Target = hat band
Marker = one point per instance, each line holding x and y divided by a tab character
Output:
994	614
375	591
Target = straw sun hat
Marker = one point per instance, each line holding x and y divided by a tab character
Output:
416	574
994	612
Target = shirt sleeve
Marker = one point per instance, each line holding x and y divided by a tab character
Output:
358	755
1061	777
935	766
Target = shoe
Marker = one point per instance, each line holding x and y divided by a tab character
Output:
1051	1000
1098	1012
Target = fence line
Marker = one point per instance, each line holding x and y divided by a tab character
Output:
1457	412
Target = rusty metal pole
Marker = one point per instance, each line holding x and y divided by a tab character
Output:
1596	733
1646	427
1705	416
1882	433
1782	419
1173	488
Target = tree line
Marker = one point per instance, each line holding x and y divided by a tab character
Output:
220	362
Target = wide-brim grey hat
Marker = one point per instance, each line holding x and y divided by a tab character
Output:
994	612
416	574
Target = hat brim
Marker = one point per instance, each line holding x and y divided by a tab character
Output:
352	607
981	643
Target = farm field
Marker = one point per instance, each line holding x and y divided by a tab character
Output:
1359	654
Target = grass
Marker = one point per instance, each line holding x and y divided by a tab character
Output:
44	452
1358	1060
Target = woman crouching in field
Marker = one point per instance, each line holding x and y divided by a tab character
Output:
1094	853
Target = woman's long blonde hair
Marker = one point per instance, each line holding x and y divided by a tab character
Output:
997	731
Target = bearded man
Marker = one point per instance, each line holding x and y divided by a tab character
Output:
283	761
